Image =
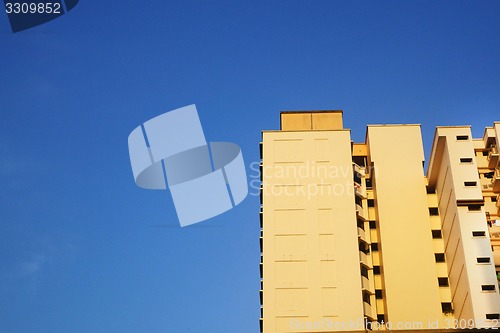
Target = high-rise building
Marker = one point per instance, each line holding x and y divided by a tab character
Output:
357	236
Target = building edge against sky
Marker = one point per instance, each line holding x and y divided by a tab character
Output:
356	236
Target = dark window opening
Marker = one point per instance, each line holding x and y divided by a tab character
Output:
358	201
378	293
374	246
357	178
369	183
443	282
439	257
361	224
376	270
364	248
431	190
373	225
466	160
470	183
493	199
261	219
436	234
462	137
489	175
433	211
366	298
446	307
364	271
261	297
488	287
483	260
380	318
371	203
485	153
474	208
261	270
478	233
492	316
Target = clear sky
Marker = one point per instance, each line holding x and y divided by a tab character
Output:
83	249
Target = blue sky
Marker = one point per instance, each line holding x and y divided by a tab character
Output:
82	249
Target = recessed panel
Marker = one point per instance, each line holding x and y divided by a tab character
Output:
291	273
292	302
289	221
327	247
329	301
325	221
290	248
288	150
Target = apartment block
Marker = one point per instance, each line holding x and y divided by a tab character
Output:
356	236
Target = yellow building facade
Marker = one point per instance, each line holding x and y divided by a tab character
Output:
355	236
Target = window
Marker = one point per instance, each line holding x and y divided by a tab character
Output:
371	203
483	260
466	160
478	233
364	271
493	199
488	287
378	293
474	208
443	282
381	318
374	246
369	183
489	175
462	137
364	248
357	178
373	225
431	190
433	211
492	316
361	224
485	153
366	298
471	183
439	257
446	307
436	234
376	270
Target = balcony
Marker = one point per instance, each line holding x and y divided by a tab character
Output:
362	235
367	308
365	284
498	204
361	212
493	157
364	259
496	180
358	169
360	190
